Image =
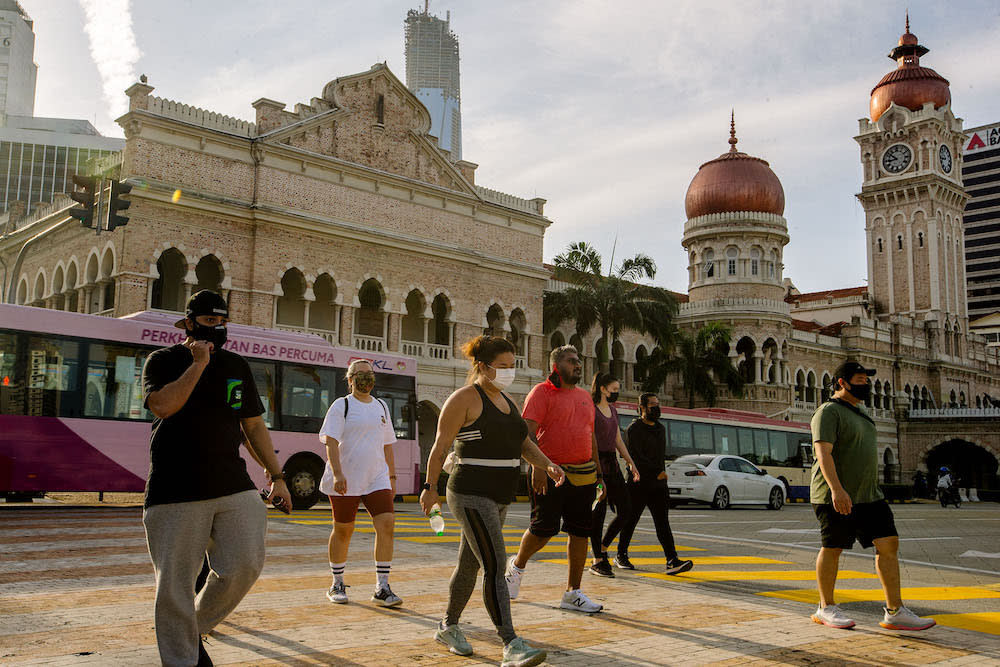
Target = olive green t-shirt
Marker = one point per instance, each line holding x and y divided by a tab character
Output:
855	453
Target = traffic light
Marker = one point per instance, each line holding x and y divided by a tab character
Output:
119	189
87	199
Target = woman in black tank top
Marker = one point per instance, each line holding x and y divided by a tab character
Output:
490	440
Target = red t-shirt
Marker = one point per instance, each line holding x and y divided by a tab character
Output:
565	418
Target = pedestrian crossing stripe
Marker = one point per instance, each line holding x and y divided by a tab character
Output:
936	593
698	560
752	575
983	621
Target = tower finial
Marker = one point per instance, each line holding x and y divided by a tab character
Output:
732	131
907	20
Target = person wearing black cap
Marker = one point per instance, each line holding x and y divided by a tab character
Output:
848	501
199	497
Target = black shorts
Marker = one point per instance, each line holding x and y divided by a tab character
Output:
866	522
571	504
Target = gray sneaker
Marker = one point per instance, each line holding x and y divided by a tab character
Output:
386	598
452	637
518	654
337	593
904	619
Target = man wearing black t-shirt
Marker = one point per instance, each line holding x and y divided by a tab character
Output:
199	497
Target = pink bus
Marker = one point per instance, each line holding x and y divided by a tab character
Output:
72	415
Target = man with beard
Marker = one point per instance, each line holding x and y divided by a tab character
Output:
199	497
848	501
561	415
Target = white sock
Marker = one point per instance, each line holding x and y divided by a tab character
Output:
515	568
382	572
338	572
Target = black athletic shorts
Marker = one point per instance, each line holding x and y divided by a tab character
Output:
866	522
568	503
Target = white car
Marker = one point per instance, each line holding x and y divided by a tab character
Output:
722	480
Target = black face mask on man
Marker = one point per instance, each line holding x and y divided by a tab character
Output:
217	335
652	412
860	391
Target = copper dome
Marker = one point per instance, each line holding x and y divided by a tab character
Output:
734	182
909	85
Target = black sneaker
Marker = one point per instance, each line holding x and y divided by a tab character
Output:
622	561
602	568
386	598
676	566
203	659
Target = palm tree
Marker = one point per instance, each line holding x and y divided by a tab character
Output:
614	302
701	360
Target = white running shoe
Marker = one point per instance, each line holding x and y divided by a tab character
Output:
577	600
904	619
831	616
513	578
386	598
453	637
519	654
337	593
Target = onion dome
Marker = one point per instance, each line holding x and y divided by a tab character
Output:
734	182
909	85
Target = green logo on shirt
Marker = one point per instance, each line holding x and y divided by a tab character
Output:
234	393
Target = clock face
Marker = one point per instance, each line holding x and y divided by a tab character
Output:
896	158
944	154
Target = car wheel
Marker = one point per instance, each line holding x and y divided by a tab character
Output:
721	499
776	499
302	477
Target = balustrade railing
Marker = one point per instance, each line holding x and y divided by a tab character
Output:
955	413
369	343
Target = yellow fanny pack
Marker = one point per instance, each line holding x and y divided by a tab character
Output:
581	474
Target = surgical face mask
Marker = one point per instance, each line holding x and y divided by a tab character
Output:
364	382
613	397
504	377
217	335
860	391
653	412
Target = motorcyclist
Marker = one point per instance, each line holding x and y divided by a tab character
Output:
947	487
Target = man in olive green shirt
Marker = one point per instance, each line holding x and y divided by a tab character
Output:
848	501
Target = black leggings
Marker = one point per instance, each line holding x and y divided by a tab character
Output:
618	498
653	496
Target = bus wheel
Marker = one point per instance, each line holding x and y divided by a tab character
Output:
721	500
302	475
776	500
19	496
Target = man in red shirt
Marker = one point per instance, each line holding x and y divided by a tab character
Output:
561	416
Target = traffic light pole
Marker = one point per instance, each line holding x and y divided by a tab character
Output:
99	215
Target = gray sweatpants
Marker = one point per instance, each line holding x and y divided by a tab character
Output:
482	545
232	530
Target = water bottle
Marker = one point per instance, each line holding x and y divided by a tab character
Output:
437	521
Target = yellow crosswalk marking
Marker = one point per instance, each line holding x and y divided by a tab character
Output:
874	595
752	575
699	560
983	621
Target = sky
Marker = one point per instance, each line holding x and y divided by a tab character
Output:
604	109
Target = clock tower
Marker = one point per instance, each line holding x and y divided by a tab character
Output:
913	196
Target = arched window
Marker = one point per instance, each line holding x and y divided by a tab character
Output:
556	340
732	255
772	264
618	359
58	285
879	241
640	355
746	348
947	338
754	262
323	311
517	335
827	389
441	329
291	310
887	396
370	317
209	274
925	398
107	298
22	292
72	301
954	400
576	341
413	320
877	395
708	264
800	386
961	399
494	322
811	387
39	292
168	286
979	402
899	241
920	239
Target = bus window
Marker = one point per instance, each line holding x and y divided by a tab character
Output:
806	455
306	393
779	448
760	446
799	450
703	437
400	406
263	377
114	382
680	441
53	378
746	443
725	439
11	380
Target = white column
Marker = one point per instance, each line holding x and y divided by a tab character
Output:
909	265
933	260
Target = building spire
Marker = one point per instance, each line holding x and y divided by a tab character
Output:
732	131
907	20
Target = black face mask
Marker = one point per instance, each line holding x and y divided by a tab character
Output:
653	413
612	397
217	335
860	391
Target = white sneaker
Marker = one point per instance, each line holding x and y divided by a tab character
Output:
337	593
513	578
519	654
904	619
576	600
831	616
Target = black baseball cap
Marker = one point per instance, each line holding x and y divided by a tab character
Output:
849	369
205	302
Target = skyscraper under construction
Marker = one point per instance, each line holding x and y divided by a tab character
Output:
432	75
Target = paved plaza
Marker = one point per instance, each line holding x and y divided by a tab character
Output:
76	589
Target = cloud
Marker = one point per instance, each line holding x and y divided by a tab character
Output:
113	48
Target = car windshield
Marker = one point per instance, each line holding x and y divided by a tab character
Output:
694	458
